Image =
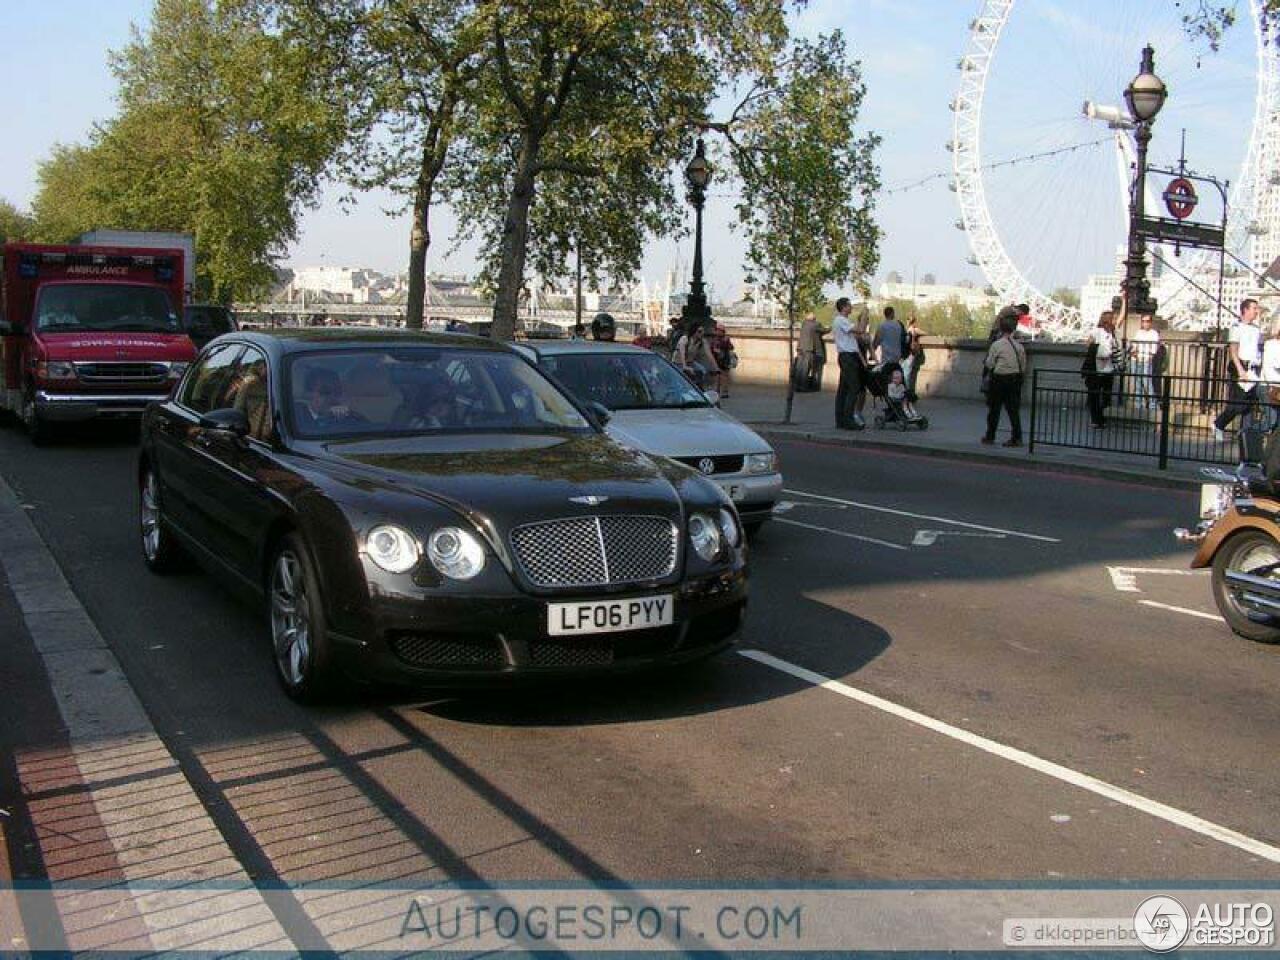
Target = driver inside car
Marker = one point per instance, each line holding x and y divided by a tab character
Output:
433	406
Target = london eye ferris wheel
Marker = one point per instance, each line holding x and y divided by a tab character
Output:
1043	151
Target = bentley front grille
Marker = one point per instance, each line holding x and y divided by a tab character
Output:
595	551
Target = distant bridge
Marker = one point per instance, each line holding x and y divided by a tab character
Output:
393	314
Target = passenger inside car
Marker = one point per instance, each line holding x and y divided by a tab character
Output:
323	406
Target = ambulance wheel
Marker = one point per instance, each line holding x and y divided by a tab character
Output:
37	428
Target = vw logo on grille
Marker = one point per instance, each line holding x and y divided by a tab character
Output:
707	465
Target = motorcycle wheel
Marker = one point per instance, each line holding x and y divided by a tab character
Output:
1242	553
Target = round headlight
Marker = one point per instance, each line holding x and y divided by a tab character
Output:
392	548
455	553
704	535
729	527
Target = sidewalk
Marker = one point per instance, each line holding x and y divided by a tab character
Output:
955	427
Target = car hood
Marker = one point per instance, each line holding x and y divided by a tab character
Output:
101	346
512	478
696	432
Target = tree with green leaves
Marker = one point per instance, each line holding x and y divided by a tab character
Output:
405	68
224	130
14	223
574	132
809	179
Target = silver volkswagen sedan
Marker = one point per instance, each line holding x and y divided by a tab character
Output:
651	406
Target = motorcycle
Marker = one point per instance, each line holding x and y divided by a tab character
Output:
1238	538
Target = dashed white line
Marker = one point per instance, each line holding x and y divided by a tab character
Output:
1128	798
1188	612
1125	579
841	533
923	516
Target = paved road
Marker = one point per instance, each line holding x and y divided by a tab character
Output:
978	597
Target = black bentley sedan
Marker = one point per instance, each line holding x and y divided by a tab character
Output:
430	508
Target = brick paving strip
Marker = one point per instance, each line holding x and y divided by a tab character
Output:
123	835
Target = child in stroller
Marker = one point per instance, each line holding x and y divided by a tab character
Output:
888	385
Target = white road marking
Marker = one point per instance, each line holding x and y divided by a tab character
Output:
924	516
1125	579
1084	781
1190	613
927	538
783	506
841	533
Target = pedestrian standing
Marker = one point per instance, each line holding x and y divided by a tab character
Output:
1271	374
1143	348
811	355
849	358
1007	364
725	356
890	340
1099	368
1244	358
914	359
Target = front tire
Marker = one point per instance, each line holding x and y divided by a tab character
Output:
37	427
299	632
1240	554
159	551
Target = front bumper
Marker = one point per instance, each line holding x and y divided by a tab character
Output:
445	640
755	496
69	407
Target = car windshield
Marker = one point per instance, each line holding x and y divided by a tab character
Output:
624	381
408	390
104	307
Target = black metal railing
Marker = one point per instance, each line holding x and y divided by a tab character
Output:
1165	416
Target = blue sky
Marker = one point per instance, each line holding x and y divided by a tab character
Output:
1054	53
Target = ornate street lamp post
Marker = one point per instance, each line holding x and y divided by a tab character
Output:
1145	96
697	175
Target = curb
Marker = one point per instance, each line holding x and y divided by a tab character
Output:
144	821
1028	462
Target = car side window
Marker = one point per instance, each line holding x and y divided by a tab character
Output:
245	389
206	382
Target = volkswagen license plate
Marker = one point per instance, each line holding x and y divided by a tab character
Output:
734	490
610	616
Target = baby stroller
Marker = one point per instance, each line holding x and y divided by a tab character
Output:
894	407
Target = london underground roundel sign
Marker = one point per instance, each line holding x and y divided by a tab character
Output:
1180	198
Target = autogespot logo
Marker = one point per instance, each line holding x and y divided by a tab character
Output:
1161	923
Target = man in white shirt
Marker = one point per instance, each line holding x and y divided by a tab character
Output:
1244	361
849	356
1143	347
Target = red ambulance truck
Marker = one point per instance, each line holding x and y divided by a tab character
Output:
89	331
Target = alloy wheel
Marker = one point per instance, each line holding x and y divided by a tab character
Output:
150	516
290	619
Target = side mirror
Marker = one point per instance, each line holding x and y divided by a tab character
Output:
713	397
227	420
602	413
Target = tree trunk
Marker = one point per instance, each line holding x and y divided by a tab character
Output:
515	239
419	242
791	351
